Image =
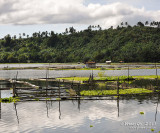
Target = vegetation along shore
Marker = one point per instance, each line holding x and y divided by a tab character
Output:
138	43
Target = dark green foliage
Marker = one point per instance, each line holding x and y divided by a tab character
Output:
130	44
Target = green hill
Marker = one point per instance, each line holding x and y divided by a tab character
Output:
130	44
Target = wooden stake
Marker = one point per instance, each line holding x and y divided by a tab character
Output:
46	81
128	73
118	87
156	75
59	87
0	104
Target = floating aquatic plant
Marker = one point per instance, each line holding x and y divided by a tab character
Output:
36	99
152	130
10	99
114	92
142	113
58	99
48	98
91	125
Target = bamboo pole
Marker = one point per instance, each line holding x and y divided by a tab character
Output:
156	76
128	73
46	82
13	86
59	88
78	89
156	70
118	87
0	104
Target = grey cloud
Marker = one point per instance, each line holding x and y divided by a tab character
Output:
20	12
6	7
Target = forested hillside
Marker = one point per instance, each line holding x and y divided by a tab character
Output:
139	43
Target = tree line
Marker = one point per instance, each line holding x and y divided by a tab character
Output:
138	43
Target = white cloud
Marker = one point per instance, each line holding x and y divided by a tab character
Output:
71	11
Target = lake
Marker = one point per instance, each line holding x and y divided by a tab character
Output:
80	116
68	65
110	115
31	73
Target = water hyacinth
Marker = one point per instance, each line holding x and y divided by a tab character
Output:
114	92
9	99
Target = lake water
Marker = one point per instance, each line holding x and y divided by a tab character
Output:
76	116
30	73
66	65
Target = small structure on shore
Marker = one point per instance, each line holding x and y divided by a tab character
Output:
108	62
121	61
91	64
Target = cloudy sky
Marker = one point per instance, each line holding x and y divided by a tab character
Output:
28	16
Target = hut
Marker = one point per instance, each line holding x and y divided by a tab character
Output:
121	61
91	64
108	62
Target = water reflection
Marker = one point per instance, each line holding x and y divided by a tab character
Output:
16	112
72	116
157	108
0	104
118	105
78	115
59	109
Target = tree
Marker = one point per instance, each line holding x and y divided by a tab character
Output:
72	30
122	24
140	24
14	37
66	30
7	40
146	23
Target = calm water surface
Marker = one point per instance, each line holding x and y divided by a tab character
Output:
76	116
30	73
66	65
106	116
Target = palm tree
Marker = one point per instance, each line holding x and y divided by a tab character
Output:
66	31
46	33
24	34
151	24
146	23
121	23
140	24
14	37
